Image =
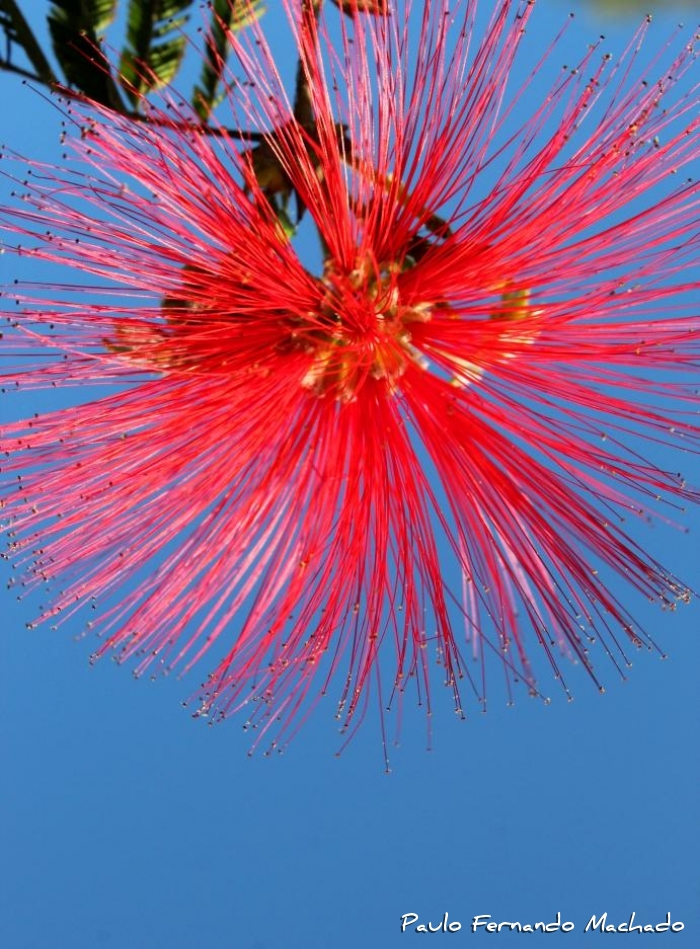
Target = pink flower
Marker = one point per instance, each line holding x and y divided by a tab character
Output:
420	452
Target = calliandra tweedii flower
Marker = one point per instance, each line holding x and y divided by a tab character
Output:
425	449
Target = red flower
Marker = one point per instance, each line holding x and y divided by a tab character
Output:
420	454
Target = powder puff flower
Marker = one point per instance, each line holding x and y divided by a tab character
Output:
410	461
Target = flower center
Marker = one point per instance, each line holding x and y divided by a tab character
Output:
361	331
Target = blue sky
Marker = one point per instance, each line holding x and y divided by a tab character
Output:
126	824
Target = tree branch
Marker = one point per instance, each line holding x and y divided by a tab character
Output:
25	38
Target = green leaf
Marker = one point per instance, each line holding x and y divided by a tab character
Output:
76	28
515	305
154	45
226	15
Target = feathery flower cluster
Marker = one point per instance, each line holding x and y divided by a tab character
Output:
419	453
